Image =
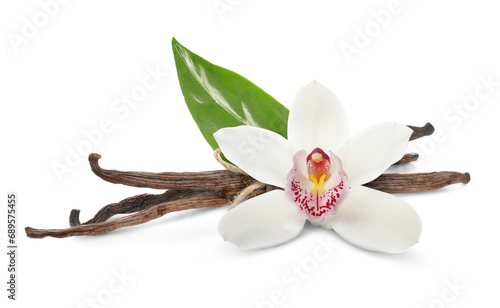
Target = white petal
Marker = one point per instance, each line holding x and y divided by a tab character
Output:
264	221
376	221
317	119
367	154
261	153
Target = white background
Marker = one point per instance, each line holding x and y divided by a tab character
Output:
423	64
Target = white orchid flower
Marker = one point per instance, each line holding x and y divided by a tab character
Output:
321	170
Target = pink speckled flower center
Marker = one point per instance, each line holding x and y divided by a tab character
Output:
316	184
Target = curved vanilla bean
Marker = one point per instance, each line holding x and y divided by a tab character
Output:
205	180
419	132
407	158
74	218
191	190
134	204
394	183
389	183
141	217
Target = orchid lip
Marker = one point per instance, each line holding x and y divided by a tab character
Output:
317	184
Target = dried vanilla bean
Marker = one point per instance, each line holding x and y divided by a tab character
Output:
191	190
394	183
148	210
134	204
419	132
206	180
407	158
141	217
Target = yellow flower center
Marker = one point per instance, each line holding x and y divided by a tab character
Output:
318	185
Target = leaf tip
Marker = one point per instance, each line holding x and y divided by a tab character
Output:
176	46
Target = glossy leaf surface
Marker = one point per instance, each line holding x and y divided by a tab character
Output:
218	98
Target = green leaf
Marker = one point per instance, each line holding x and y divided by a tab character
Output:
218	98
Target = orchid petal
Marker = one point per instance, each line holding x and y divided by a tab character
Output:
263	154
317	119
376	221
263	221
367	154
